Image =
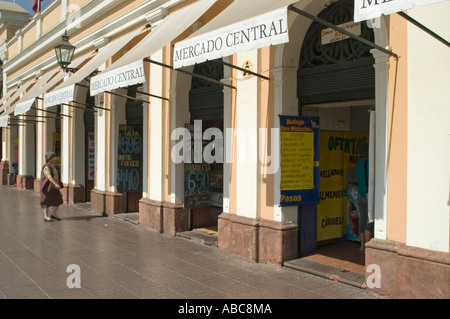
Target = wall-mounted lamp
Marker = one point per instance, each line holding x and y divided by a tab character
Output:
64	53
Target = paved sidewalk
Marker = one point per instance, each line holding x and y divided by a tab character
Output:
118	259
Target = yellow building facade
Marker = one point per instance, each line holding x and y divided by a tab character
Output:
245	117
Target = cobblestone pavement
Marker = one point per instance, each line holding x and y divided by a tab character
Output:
121	260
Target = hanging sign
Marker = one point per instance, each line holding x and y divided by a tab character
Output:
369	9
197	181
264	30
129	159
299	160
124	76
330	35
61	96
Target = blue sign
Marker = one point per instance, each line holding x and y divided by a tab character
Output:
299	149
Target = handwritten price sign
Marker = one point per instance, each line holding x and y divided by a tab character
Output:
197	184
129	159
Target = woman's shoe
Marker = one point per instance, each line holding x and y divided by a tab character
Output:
55	217
48	219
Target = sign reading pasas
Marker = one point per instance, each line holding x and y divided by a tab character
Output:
370	9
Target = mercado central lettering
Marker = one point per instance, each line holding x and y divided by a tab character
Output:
52	98
124	76
232	39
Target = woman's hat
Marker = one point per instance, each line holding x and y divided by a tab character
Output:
49	155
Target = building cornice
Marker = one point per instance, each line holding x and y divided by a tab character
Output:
88	14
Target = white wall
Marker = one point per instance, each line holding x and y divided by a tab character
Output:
156	131
246	145
428	130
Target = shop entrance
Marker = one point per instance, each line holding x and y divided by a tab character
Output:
336	81
132	146
89	149
206	105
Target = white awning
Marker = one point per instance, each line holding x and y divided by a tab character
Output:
64	93
129	68
5	98
365	10
35	90
23	107
4	121
123	76
43	85
243	26
18	93
61	96
27	101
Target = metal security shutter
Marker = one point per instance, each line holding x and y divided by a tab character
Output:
89	115
206	98
337	71
134	113
345	81
133	109
206	103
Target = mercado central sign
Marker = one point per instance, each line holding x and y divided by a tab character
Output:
266	29
370	9
124	76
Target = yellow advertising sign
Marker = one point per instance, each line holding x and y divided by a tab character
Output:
57	148
338	155
297	166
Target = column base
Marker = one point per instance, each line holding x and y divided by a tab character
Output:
37	186
114	203
175	218
407	272
98	201
25	182
151	215
4	171
257	240
75	194
163	217
65	193
11	180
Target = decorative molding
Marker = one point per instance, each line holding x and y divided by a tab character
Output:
315	54
101	42
156	15
89	14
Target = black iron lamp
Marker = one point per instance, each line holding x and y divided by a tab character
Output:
64	53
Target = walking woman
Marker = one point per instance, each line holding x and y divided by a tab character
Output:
50	185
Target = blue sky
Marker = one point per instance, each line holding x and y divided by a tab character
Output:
28	4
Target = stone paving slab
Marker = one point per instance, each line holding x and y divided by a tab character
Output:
121	260
326	271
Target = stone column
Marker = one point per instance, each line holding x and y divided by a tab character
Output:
99	191
156	212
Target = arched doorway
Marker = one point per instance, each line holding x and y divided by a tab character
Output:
134	118
336	81
89	145
206	104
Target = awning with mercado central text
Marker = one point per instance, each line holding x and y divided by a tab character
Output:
64	93
129	70
243	26
370	9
